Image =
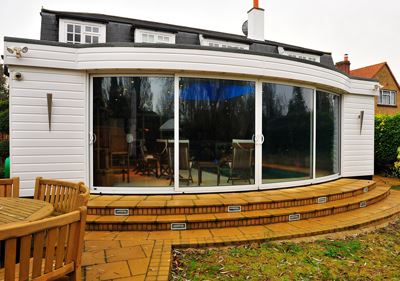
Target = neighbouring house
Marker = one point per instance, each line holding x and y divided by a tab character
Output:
387	102
137	107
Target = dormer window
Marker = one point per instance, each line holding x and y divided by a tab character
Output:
150	36
222	44
77	32
303	56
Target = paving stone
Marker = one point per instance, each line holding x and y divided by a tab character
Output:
107	271
139	266
124	253
93	257
96	245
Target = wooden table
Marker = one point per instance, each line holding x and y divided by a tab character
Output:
21	209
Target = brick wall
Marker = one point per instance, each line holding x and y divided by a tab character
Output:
386	79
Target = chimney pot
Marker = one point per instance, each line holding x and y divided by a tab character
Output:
344	65
255	4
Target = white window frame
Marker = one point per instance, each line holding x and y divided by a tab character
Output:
62	35
222	44
141	34
304	56
392	95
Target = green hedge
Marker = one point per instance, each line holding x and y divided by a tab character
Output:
387	140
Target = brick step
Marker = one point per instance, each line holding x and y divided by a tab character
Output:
246	218
219	203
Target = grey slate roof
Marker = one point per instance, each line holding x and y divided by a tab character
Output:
136	23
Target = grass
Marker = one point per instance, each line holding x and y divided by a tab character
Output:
373	256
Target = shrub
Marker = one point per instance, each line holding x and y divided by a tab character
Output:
387	140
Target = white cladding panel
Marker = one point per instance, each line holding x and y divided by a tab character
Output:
36	151
357	147
173	59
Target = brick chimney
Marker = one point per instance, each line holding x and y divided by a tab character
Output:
344	65
256	22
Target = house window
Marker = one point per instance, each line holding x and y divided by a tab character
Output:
149	36
76	32
387	97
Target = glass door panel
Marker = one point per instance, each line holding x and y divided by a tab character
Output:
216	132
132	122
327	135
287	126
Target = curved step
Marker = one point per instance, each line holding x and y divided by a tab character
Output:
246	218
219	203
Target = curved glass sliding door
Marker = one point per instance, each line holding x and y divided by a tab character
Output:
327	135
216	129
132	116
287	126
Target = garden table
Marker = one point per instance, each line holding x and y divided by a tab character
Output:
21	209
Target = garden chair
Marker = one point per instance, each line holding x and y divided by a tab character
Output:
241	163
65	196
9	187
45	249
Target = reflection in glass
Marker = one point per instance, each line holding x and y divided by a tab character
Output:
327	136
216	121
287	118
133	121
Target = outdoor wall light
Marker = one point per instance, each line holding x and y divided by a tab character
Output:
18	51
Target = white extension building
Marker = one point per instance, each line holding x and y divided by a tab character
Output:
108	100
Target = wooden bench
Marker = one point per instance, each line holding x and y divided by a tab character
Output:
45	249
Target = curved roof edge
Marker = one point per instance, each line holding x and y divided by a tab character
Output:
176	46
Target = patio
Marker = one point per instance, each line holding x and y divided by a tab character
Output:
146	255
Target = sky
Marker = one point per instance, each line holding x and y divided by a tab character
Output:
368	30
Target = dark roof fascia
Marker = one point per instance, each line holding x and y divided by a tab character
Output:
177	28
174	46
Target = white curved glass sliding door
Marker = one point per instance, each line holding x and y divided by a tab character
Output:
287	126
216	132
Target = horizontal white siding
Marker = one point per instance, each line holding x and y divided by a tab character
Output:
357	148
35	151
172	59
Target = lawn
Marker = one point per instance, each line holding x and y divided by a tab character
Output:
372	256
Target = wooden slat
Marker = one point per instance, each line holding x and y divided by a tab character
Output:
37	188
51	241
16	187
68	268
38	242
11	255
21	209
72	236
25	254
60	252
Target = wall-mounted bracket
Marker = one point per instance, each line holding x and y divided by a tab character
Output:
361	117
49	108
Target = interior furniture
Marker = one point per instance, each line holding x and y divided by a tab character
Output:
65	196
22	209
9	187
185	165
242	157
44	250
201	165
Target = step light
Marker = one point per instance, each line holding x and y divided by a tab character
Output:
234	209
365	189
322	200
178	226
294	217
363	204
121	212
